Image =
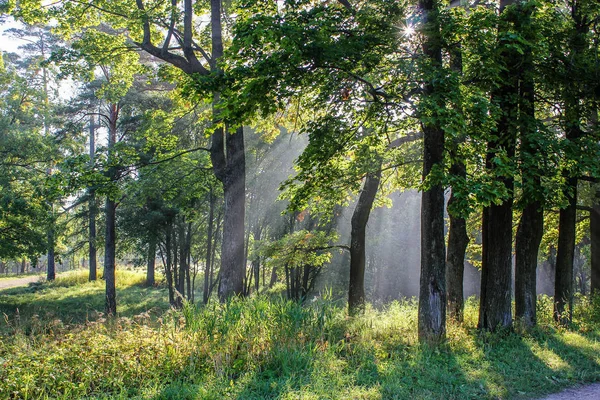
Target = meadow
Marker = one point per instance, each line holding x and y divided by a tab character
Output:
57	343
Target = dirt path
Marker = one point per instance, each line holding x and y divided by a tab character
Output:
9	283
589	392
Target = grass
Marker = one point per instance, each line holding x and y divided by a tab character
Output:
61	346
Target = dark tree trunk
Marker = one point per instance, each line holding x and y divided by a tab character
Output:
209	239
23	264
169	264
356	289
595	247
458	240
93	275
110	210
175	264
527	245
182	265
109	258
563	284
496	274
214	255
432	293
531	226
229	165
150	280
51	270
306	281
188	253
232	247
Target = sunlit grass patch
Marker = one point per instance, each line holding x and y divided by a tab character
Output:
271	348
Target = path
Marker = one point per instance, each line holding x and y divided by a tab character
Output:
9	283
589	392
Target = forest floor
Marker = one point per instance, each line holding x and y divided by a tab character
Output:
55	342
6	283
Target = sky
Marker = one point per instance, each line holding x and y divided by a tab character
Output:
7	43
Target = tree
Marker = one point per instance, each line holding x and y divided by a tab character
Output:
182	48
432	294
496	278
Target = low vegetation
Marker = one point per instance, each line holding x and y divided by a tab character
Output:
59	345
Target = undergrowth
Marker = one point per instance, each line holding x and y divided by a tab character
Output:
264	348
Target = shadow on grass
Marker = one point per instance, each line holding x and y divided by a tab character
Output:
77	304
482	366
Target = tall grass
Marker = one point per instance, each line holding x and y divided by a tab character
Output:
264	348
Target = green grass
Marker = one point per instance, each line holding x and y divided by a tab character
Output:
265	348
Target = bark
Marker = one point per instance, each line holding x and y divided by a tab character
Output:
93	275
227	150
214	251
110	210
360	217
432	293
565	253
458	240
209	239
109	258
150	279
496	274
527	245
595	247
169	264
273	279
531	226
188	253
563	284
51	270
181	276
232	247
256	262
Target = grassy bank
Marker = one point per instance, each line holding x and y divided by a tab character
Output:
60	346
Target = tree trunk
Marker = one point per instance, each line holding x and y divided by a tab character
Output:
356	289
232	246
180	284
531	226
595	246
496	274
169	264
214	254
109	258
527	245
188	253
151	262
93	275
110	210
432	293
229	165
51	270
209	239
563	284
458	240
